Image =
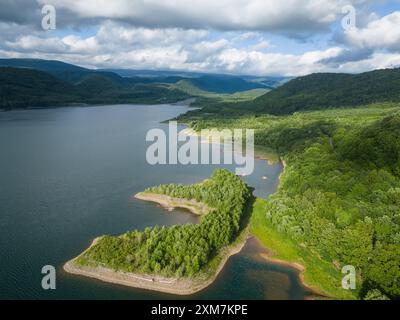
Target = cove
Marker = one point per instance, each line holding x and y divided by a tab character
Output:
68	176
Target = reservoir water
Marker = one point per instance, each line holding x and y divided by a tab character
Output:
67	175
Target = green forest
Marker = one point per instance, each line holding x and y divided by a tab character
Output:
35	83
318	91
181	250
339	196
338	201
29	88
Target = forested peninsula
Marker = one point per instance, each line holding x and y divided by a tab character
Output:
181	259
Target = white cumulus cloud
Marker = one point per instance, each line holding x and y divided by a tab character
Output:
382	33
293	17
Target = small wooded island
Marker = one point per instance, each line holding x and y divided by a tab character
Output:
181	259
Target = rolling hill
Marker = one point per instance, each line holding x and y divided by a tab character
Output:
317	91
20	88
61	70
54	83
29	88
216	83
224	84
324	90
82	85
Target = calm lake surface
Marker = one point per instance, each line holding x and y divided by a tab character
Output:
67	175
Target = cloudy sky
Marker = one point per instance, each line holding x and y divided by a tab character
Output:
258	37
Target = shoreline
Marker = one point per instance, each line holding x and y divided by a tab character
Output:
186	102
170	203
183	286
260	152
176	286
269	256
296	266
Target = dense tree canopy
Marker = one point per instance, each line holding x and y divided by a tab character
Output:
340	193
26	88
179	250
319	91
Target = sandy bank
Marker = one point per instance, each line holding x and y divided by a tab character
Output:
297	266
177	286
171	203
260	152
272	159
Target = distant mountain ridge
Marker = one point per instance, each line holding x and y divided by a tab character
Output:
64	71
218	83
25	87
267	81
31	88
82	85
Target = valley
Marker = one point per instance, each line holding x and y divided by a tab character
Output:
337	201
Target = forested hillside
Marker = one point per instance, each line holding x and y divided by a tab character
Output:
82	85
339	198
29	88
58	69
317	92
321	91
225	84
21	88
